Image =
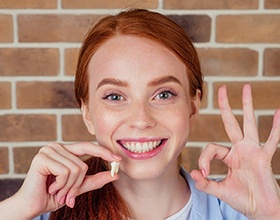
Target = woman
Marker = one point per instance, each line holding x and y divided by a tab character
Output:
139	85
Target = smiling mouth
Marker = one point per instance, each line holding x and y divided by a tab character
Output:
141	147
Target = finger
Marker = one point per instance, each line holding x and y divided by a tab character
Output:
73	189
97	181
67	155
73	182
274	137
73	166
74	169
46	166
211	151
87	148
231	125
80	149
205	185
91	182
249	123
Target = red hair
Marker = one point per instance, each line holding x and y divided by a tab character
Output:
106	203
141	23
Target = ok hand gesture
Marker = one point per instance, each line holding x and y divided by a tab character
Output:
250	186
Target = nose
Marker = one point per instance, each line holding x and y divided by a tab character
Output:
141	116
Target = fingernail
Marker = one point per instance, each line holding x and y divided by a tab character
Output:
72	202
52	191
116	177
193	177
62	200
203	172
116	157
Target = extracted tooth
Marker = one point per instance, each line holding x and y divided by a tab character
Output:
114	168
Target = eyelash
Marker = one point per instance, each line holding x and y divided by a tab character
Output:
111	94
119	97
169	91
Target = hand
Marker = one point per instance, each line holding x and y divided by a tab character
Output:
40	194
249	186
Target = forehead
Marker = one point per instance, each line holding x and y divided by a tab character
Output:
130	56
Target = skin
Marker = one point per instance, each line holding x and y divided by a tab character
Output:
250	186
126	105
134	115
140	114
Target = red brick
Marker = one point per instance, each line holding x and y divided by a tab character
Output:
276	162
74	129
228	61
29	62
265	94
6	23
264	28
8	187
4	162
23	157
213	4
45	95
189	158
198	27
5	95
210	128
271	62
218	167
28	4
70	61
110	4
54	27
264	127
204	101
272	4
15	128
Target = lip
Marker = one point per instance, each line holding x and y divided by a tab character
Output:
142	141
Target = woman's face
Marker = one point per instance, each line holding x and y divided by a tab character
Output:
139	105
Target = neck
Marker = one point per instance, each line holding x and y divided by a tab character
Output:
156	198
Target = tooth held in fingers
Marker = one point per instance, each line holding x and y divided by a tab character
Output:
114	168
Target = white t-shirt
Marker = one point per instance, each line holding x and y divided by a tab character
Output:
184	213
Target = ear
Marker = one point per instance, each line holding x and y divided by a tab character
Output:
87	118
195	106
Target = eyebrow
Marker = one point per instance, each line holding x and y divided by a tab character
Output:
156	82
112	81
164	79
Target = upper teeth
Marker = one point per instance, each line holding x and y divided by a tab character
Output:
141	147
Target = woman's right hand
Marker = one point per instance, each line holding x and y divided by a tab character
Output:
57	176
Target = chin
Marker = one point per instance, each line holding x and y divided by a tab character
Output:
149	171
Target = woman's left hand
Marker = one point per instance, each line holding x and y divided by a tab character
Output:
250	186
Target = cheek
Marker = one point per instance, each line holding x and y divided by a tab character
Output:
180	111
179	123
182	125
105	124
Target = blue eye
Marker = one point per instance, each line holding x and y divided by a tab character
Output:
114	97
166	94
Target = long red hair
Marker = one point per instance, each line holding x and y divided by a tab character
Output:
106	203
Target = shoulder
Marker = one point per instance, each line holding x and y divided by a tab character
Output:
209	207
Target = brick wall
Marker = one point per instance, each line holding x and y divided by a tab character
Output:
238	41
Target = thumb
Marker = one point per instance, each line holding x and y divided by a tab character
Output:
96	181
206	185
